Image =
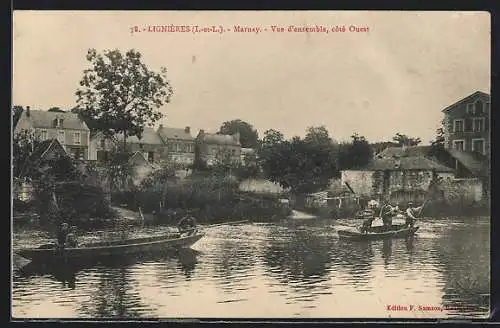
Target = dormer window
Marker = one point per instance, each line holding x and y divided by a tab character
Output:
58	123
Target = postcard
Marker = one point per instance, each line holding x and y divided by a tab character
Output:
251	164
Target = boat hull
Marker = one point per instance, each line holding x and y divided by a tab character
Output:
398	232
92	251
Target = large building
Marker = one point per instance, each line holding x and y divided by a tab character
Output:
467	124
213	148
167	145
71	132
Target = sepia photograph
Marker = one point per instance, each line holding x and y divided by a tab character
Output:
250	164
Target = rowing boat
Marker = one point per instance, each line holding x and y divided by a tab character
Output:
396	231
133	246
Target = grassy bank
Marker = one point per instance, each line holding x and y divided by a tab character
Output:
209	199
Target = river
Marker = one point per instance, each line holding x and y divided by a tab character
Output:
294	269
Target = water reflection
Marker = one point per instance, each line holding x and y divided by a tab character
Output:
301	270
465	266
299	259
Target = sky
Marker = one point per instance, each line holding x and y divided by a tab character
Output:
394	75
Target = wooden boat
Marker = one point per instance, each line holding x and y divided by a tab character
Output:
111	248
396	231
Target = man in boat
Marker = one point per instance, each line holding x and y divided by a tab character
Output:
187	223
71	240
412	213
62	233
369	215
387	213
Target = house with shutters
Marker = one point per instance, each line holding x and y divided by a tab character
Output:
71	132
467	124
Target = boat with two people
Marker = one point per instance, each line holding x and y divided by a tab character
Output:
187	235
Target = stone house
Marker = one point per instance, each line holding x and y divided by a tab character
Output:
467	124
100	146
72	133
212	147
180	144
396	179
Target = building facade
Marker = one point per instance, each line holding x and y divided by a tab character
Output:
396	179
69	130
180	145
467	124
212	148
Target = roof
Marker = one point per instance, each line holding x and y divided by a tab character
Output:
44	146
45	119
404	152
174	133
405	163
149	136
474	162
469	97
221	139
138	158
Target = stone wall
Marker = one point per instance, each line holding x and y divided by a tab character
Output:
260	186
462	191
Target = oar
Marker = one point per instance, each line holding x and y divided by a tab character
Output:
226	223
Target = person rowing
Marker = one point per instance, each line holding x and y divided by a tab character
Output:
412	213
369	215
187	224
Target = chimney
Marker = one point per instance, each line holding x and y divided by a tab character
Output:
187	129
28	111
236	137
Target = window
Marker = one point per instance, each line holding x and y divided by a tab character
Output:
458	125
478	107
470	108
77	138
43	135
78	154
487	107
478	145
478	124
459	145
58	123
61	136
103	143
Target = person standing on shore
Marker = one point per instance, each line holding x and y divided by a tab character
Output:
62	234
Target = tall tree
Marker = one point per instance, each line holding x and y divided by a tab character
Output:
16	114
119	94
248	135
355	154
404	140
318	135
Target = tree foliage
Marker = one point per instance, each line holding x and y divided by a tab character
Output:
303	165
119	94
23	146
16	114
119	169
56	109
248	135
404	140
355	154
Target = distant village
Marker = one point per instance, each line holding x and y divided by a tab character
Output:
399	173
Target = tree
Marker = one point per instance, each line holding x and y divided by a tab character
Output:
24	144
16	114
119	94
119	170
439	141
248	135
56	109
271	138
318	135
355	154
300	165
404	140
